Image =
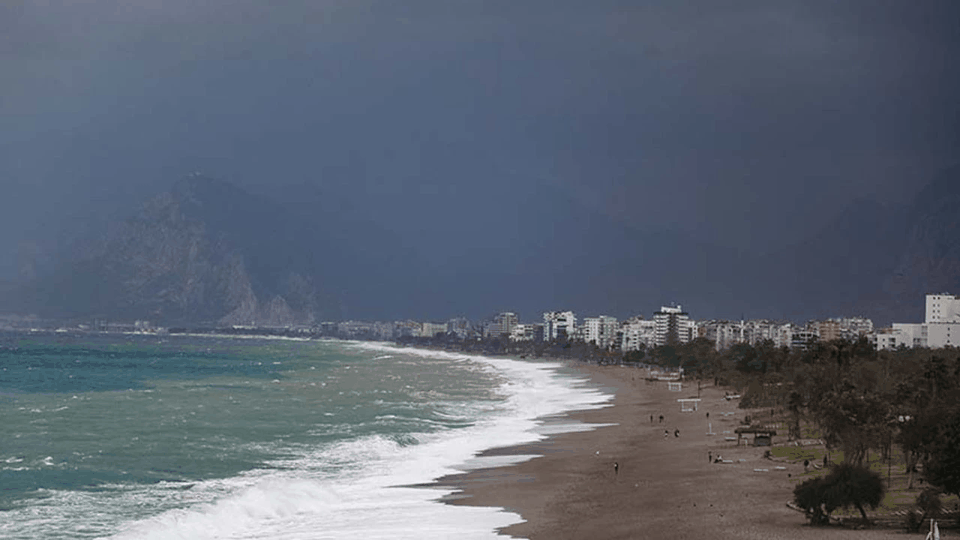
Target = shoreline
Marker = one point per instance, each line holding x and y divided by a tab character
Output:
664	487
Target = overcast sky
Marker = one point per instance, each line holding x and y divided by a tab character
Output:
743	123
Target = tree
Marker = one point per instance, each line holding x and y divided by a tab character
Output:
917	437
942	466
853	485
795	406
809	496
846	485
852	418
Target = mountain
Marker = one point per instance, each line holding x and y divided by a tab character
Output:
841	266
208	252
929	260
205	252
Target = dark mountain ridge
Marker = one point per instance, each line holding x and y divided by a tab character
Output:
207	252
186	257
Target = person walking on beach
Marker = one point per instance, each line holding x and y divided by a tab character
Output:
666	433
676	432
661	418
710	456
616	468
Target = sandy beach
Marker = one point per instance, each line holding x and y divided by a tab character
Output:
664	486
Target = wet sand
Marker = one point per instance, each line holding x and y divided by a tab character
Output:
665	486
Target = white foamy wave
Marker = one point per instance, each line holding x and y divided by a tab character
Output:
360	498
359	489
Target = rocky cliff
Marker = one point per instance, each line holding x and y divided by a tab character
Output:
929	260
203	253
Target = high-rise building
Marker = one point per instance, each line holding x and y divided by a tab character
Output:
636	331
601	331
557	324
501	325
672	324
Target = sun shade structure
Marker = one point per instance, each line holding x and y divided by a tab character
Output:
689	404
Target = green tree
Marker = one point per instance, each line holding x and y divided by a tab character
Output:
853	485
846	485
809	496
942	466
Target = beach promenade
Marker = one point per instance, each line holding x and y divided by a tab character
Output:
664	486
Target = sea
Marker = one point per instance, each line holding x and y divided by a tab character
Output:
203	437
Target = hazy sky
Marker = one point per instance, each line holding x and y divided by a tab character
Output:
745	123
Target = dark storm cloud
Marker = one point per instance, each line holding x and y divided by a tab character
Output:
742	123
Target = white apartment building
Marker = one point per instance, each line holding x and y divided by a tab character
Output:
942	308
525	332
760	330
941	327
501	325
784	335
855	327
672	326
430	330
601	331
635	331
458	326
725	334
557	323
729	333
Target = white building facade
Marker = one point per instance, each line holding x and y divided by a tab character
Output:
672	326
941	327
637	331
601	331
559	323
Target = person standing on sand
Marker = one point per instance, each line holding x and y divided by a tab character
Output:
661	418
710	457
616	468
676	432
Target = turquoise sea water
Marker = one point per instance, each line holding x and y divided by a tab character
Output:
204	437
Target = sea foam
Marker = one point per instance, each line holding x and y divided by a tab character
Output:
361	488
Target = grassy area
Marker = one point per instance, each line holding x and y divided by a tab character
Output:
898	498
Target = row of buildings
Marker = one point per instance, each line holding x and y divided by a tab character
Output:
671	324
668	325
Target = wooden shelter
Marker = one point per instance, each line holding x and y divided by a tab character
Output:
762	436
